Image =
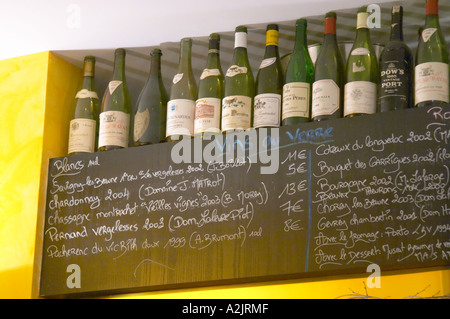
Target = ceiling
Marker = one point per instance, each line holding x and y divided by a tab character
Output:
138	58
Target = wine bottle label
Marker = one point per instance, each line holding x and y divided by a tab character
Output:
267	62
177	78
360	97
267	110
240	40
393	80
427	33
141	122
114	129
85	94
325	98
236	112
209	72
213	51
113	85
431	82
207	115
180	117
360	51
235	70
82	136
296	98
272	37
357	68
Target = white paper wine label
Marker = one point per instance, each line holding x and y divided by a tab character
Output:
325	98
180	117
113	85
431	82
427	33
236	112
235	70
209	72
267	110
141	122
177	78
82	136
360	51
114	129
85	94
207	115
358	68
267	62
360	97
296	97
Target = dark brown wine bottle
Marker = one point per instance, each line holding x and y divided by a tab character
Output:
396	65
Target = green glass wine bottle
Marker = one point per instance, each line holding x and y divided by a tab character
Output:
328	87
269	84
151	113
208	107
183	94
237	105
83	132
116	109
362	74
431	71
296	106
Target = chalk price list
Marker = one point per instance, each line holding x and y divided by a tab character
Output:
176	205
376	204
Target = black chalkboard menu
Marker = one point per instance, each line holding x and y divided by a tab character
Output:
310	200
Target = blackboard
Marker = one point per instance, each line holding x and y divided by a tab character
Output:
310	200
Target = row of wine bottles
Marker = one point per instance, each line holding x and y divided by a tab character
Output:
236	101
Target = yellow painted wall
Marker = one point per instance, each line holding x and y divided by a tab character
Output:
22	103
36	101
34	93
392	286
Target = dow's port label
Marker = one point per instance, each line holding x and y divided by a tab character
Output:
393	79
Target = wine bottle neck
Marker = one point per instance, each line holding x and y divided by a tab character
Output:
88	82
300	38
240	48
330	26
330	39
240	40
185	56
271	51
361	20
213	61
89	73
362	36
432	21
271	43
397	25
155	66
432	17
119	67
432	7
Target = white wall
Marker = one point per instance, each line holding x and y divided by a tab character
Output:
30	26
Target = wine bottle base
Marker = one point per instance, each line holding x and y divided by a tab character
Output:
109	148
294	121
